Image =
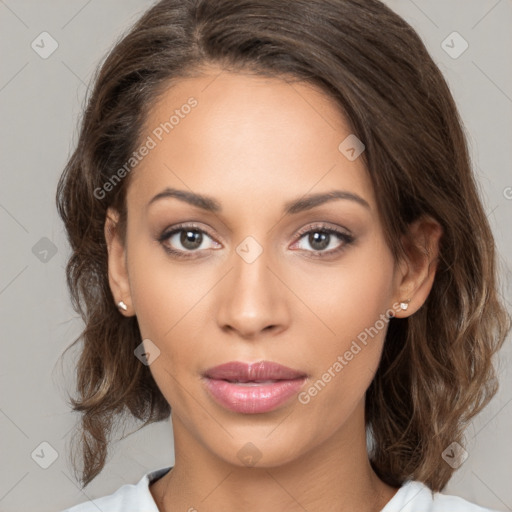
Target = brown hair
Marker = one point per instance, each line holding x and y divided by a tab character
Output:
436	371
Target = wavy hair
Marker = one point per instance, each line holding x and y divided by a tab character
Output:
436	372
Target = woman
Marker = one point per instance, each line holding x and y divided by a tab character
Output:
277	239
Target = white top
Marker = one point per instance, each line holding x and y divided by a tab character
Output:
413	496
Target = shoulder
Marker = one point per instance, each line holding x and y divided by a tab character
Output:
415	496
128	498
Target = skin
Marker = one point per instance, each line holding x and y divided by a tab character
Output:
253	143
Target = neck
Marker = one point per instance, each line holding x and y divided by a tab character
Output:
334	475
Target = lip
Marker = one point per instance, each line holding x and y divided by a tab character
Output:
252	388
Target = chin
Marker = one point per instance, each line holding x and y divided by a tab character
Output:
261	449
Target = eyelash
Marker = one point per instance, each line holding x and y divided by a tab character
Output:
317	228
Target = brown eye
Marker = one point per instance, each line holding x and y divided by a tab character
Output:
320	237
183	241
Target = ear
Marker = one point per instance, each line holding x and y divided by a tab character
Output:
117	268
416	273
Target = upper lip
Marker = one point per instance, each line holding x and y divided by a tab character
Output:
252	372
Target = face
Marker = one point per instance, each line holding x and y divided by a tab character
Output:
309	288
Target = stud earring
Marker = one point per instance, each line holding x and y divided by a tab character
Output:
122	305
404	304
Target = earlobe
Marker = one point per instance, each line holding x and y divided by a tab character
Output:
422	246
117	268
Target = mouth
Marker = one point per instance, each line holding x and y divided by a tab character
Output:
252	388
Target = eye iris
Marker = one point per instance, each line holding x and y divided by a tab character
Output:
318	237
191	239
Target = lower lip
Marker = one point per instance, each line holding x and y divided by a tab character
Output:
253	398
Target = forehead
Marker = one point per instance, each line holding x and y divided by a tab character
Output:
248	134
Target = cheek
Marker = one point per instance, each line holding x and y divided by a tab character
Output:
165	294
351	297
170	313
353	306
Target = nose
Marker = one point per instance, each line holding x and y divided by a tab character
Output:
253	299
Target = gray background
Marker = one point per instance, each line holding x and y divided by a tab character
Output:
40	100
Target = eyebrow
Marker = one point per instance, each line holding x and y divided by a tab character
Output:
290	207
